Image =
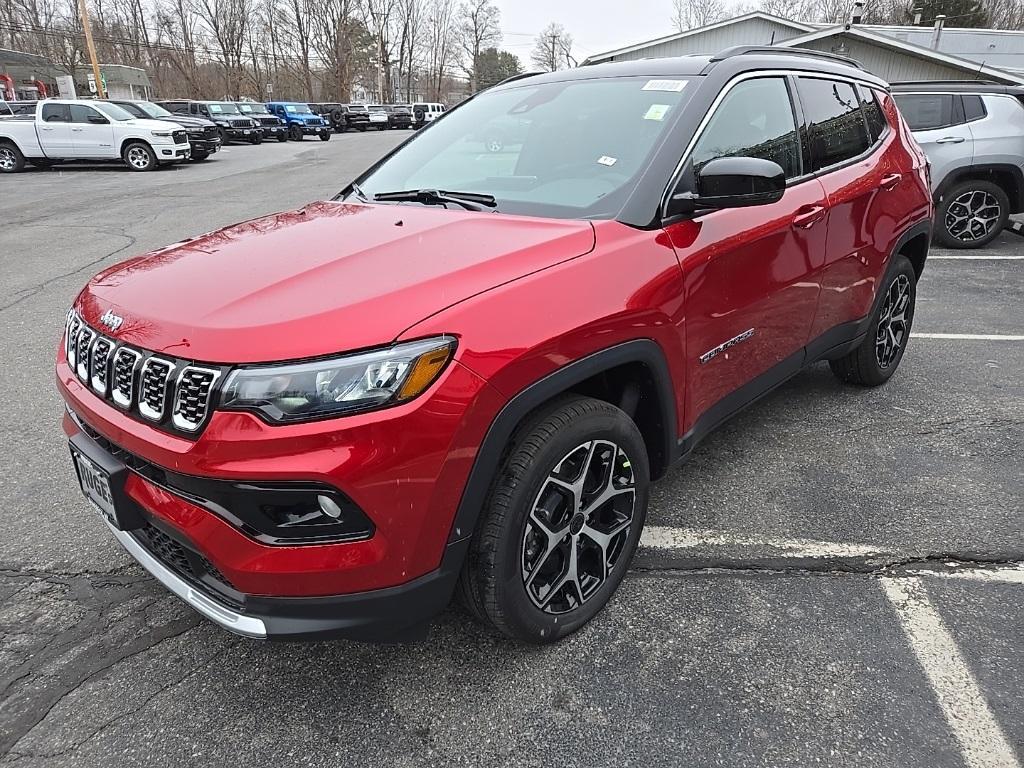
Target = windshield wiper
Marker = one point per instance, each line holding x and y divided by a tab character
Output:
472	201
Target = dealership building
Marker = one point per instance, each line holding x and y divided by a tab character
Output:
893	53
29	76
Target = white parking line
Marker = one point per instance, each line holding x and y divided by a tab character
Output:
664	537
1007	574
968	715
969	336
978	257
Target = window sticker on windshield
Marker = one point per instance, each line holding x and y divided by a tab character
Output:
605	160
674	86
656	112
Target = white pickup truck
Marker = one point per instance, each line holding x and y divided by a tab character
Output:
68	129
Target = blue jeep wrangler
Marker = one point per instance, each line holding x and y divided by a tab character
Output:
301	120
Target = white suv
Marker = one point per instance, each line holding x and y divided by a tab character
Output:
973	134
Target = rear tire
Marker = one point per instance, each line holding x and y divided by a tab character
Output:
877	357
139	157
551	547
971	214
11	159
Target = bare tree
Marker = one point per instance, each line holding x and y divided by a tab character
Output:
228	20
440	45
479	28
690	14
553	49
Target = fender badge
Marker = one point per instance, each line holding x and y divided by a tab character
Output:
712	353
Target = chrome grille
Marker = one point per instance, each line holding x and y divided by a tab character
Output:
85	338
192	397
243	123
211	131
153	387
122	386
101	349
173	394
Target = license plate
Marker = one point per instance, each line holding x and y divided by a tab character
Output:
246	133
96	486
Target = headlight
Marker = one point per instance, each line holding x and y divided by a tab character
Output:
165	134
222	122
335	386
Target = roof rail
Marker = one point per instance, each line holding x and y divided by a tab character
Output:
945	82
744	50
520	76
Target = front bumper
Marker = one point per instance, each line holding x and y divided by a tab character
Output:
167	152
274	131
312	130
240	134
204	146
383	615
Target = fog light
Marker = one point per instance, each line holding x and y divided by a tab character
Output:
328	506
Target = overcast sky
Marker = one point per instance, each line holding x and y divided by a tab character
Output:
596	25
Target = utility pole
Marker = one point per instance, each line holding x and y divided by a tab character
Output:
100	90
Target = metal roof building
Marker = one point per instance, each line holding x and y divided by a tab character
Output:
893	53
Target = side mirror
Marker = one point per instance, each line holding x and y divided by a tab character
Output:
733	182
98	120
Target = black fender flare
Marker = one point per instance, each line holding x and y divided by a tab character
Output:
488	459
972	171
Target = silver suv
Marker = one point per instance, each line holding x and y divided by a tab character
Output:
973	134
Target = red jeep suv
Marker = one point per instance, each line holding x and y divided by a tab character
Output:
462	374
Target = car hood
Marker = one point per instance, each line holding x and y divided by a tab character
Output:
187	122
325	278
147	124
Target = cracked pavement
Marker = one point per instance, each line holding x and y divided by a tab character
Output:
736	643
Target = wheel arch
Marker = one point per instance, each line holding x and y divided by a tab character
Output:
133	140
914	244
1010	178
633	376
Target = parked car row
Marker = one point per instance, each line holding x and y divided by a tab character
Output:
380	117
143	134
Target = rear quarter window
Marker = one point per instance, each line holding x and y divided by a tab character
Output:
873	115
974	107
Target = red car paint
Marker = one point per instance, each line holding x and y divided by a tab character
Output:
524	296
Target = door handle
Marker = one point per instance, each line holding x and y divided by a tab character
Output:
808	216
891	180
951	140
76	130
46	129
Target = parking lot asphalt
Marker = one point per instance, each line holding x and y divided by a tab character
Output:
835	578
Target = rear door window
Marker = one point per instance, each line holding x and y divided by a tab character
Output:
833	123
56	113
926	111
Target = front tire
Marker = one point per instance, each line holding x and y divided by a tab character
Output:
561	523
325	135
971	214
198	157
139	157
282	137
11	159
295	133
878	356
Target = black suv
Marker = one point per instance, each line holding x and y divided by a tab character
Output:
231	124
399	115
203	135
271	126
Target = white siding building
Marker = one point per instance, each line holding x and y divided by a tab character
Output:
893	53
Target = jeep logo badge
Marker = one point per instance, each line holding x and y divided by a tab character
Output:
112	321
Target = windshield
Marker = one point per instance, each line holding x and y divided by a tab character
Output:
150	109
297	109
115	112
223	109
566	149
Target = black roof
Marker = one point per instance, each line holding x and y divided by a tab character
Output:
956	86
738	59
